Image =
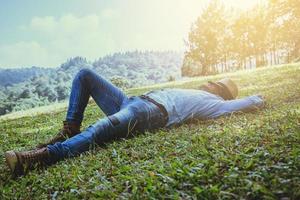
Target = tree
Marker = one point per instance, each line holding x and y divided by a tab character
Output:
286	14
25	94
204	39
171	78
259	26
62	92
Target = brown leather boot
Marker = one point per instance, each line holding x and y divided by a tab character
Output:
21	162
69	130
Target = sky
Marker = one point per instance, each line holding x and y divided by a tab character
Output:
46	33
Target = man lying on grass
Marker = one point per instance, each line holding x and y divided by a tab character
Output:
128	115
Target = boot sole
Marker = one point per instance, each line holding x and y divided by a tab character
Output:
11	160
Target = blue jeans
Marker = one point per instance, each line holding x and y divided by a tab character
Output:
125	115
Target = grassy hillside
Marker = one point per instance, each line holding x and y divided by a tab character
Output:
250	156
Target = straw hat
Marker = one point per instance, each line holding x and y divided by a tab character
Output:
225	88
229	85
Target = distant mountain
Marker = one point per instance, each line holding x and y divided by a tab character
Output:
12	76
25	88
141	68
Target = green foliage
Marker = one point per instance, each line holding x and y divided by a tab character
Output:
205	39
242	156
223	40
39	90
129	69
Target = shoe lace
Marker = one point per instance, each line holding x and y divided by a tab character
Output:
35	155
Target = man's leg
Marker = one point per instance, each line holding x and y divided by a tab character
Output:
137	115
119	125
87	83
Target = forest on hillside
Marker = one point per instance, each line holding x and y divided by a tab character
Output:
223	39
30	87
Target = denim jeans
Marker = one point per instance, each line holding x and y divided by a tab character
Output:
125	115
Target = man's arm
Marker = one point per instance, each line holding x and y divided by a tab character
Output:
246	104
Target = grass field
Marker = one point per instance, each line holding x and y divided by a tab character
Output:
242	156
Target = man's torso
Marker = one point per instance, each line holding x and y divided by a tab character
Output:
184	104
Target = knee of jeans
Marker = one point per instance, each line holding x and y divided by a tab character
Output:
85	76
83	73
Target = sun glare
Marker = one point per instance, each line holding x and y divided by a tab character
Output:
241	4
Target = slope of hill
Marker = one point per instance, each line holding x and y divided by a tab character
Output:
243	156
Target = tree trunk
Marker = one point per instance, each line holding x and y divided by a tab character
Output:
272	57
226	64
277	57
256	61
265	59
222	67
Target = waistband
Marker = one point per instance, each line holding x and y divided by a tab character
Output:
160	106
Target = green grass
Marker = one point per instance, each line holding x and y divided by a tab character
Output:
243	156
